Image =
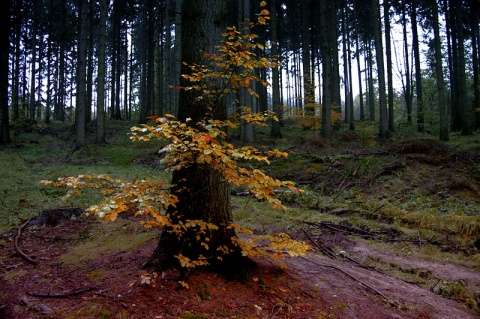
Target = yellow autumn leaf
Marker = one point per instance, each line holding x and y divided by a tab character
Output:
261	20
263	3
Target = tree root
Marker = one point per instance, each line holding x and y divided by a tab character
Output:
17	248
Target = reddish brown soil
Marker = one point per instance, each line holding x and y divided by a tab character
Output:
313	286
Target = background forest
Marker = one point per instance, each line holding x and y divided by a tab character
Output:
394	63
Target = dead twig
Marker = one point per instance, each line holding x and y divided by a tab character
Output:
58	296
324	250
17	248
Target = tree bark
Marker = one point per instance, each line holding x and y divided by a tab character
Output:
418	69
277	108
442	95
202	192
81	76
4	51
100	134
382	100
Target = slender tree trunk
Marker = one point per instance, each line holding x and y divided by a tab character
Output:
17	54
178	51
465	108
247	133
360	94
326	129
100	134
90	66
382	100
474	25
59	110
168	60
308	89
277	108
389	65
408	87
4	53
442	96
81	75
418	69
33	68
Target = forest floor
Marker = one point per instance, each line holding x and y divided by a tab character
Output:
394	230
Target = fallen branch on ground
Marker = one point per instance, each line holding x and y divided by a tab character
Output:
65	295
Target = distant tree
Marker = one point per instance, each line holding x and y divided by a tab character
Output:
418	69
4	53
377	33
276	102
442	95
389	65
102	28
80	101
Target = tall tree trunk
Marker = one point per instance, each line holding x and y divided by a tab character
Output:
408	87
326	47
308	88
277	108
177	60
389	65
100	134
59	109
90	66
4	53
442	96
465	108
360	93
205	196
170	107
474	25
33	68
81	75
382	99
247	133
418	69
143	64
17	54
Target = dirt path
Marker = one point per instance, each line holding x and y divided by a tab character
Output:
347	288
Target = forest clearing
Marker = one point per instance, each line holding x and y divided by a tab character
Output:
394	230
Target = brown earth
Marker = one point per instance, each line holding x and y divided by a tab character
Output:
108	285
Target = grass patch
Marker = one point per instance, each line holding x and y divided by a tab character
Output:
106	238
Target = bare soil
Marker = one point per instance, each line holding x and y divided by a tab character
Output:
315	286
109	284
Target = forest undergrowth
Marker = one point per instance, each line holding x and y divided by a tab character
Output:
398	206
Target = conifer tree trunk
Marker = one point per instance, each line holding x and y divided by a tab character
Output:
442	95
80	100
4	51
418	70
382	100
389	65
100	134
275	130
